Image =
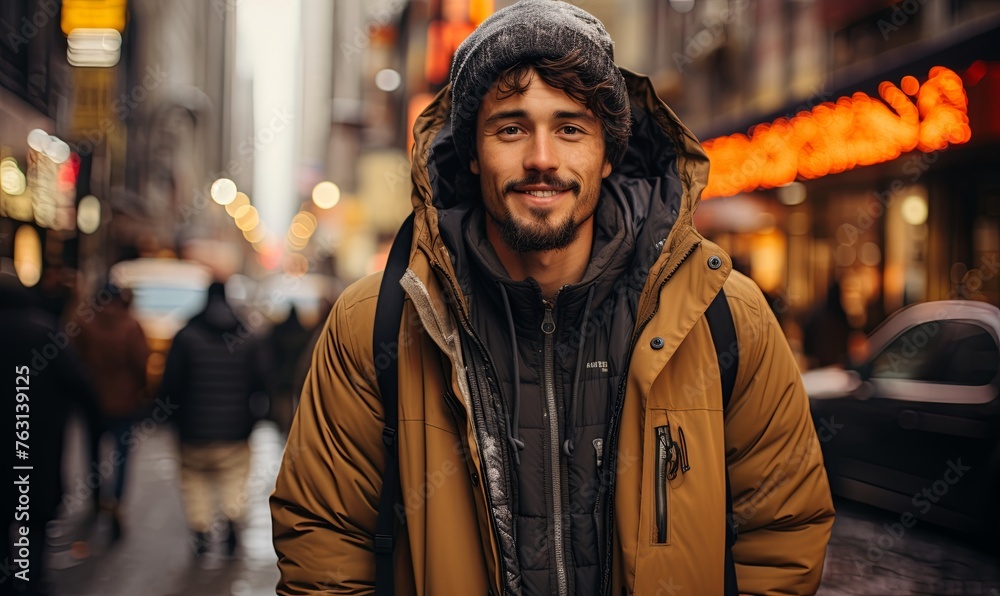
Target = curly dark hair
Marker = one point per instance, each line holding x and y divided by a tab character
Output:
569	75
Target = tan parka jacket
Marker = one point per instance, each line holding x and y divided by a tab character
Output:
325	502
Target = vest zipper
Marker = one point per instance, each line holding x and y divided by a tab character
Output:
548	378
599	451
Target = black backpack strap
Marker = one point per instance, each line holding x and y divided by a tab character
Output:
720	321
388	314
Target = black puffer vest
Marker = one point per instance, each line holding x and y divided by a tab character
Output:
569	357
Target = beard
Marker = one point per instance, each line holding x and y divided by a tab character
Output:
540	234
523	239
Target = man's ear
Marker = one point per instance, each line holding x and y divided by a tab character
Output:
606	171
474	165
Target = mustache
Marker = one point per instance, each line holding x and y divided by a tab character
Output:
548	179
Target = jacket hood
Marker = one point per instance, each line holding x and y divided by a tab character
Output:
658	183
217	315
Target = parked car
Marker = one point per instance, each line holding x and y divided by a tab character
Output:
915	428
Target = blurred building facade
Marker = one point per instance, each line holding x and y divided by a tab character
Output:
147	113
917	227
181	108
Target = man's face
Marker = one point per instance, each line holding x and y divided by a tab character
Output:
540	160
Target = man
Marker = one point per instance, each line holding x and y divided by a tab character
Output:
561	428
214	374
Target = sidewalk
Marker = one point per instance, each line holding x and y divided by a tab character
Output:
154	556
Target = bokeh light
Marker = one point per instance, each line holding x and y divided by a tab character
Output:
27	255
240	200
326	194
88	214
914	210
223	191
835	137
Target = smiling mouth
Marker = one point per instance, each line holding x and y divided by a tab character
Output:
543	194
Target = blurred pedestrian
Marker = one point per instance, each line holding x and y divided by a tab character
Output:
285	345
113	347
49	383
214	375
826	331
54	291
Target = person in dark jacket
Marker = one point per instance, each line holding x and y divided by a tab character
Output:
214	375
827	331
114	349
47	383
285	345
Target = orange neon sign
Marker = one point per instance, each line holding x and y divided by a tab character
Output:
835	137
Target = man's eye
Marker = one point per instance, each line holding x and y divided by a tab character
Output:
570	129
510	130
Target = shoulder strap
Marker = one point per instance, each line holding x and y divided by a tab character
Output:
388	314
720	321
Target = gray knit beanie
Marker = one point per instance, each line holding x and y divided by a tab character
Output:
524	31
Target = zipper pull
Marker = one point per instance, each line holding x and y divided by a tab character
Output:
668	451
548	324
599	451
685	466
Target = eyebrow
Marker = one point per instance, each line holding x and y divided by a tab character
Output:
505	115
574	115
558	115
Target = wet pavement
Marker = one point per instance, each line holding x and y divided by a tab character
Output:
871	553
154	557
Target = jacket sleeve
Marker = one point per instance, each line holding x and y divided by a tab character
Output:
325	500
781	497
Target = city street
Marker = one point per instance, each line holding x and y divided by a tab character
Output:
657	216
154	557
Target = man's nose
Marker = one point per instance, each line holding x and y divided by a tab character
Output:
542	156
